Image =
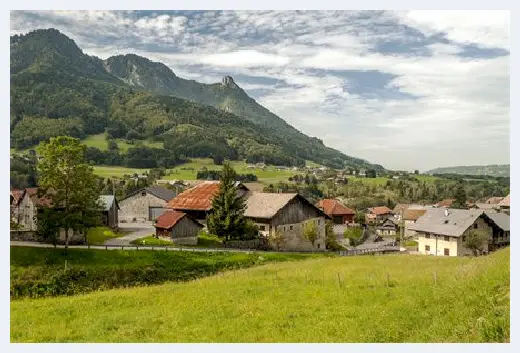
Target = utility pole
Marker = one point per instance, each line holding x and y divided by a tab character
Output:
401	230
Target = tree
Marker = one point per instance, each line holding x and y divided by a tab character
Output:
416	172
112	145
476	241
310	231
371	173
48	224
218	160
227	216
330	238
359	217
460	196
68	182
277	238
353	235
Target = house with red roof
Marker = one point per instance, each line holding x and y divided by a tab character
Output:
380	213
335	210
178	227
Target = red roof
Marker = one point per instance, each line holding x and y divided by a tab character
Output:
170	218
380	210
198	198
333	208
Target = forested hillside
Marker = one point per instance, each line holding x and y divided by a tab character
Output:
56	89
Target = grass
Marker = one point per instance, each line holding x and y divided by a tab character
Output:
188	171
99	141
151	240
119	172
394	298
40	272
99	235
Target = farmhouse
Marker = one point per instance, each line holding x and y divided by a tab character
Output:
504	205
145	204
286	214
177	226
335	210
16	197
109	210
27	208
381	213
445	203
408	217
387	229
197	201
444	232
494	200
500	223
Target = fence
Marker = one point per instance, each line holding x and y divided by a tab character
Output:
373	251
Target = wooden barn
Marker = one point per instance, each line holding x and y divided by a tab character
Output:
177	226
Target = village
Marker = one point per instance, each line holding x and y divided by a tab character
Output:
178	217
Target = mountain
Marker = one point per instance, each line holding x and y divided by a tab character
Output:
495	170
56	89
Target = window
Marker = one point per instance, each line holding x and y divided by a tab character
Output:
446	252
284	228
261	227
318	222
427	236
426	248
143	193
475	226
290	227
463	238
318	246
447	238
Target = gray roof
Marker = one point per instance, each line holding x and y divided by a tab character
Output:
486	206
266	205
500	219
106	201
435	221
158	191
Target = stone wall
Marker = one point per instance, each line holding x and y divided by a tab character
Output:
23	235
137	207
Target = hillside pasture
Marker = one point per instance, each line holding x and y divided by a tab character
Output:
392	298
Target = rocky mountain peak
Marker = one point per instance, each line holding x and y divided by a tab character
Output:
228	82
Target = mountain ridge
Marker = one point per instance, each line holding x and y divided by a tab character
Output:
53	83
496	170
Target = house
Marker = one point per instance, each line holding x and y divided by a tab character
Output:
443	232
258	187
381	213
15	198
109	211
178	227
260	165
504	205
335	210
370	219
494	200
387	229
407	217
362	173
197	201
485	206
286	214
27	208
281	167
500	222
144	204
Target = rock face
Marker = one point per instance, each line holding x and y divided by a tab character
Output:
228	82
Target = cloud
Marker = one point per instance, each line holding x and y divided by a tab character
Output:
407	89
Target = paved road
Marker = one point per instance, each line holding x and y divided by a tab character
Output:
135	231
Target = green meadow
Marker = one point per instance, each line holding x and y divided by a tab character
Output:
392	298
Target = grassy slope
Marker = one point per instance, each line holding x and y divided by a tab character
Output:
99	235
100	142
377	299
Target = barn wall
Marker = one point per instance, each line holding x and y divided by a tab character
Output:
185	228
136	206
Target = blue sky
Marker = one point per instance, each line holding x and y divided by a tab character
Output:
406	89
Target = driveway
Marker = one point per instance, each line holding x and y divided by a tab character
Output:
134	230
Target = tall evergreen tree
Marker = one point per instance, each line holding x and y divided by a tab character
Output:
227	216
460	196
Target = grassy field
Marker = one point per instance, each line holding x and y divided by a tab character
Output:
395	298
119	172
188	171
151	240
203	241
99	141
37	272
99	235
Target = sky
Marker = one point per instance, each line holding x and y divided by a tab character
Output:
405	89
